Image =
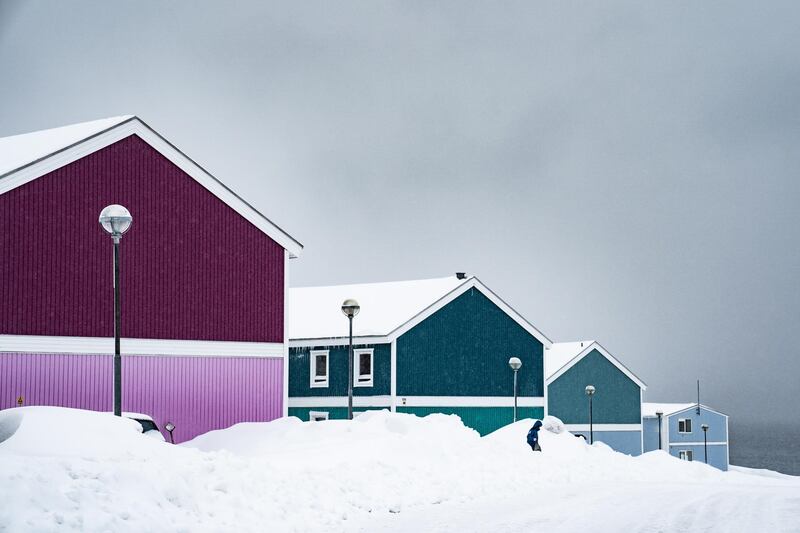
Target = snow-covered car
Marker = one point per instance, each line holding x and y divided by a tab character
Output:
149	427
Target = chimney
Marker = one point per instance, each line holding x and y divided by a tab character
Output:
461	275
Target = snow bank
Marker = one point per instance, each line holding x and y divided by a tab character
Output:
56	431
74	470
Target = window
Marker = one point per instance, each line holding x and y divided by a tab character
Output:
685	425
317	416
319	368
685	455
362	368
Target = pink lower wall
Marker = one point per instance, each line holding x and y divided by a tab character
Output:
197	394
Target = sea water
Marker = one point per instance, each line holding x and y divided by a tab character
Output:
764	445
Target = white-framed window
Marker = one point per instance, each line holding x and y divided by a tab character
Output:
317	416
319	368
685	455
363	367
684	425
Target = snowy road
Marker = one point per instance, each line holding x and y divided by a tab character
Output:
600	508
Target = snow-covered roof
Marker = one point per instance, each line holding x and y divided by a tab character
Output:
649	409
315	312
387	309
561	353
561	356
25	157
18	151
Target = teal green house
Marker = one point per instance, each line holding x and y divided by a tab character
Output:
616	405
426	346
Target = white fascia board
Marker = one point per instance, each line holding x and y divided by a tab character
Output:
469	401
336	341
45	344
339	401
603	427
285	395
693	408
469	283
641	420
701	443
393	374
613	360
135	126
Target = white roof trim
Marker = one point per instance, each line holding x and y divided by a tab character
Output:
594	345
135	126
339	341
471	282
683	410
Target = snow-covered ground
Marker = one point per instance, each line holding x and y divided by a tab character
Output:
64	469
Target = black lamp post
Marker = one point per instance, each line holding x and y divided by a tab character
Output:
659	414
515	365
350	308
590	393
705	441
116	220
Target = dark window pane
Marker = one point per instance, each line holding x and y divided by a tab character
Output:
688	426
364	364
320	370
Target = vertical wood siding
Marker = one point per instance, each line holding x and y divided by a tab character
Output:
484	420
463	350
300	371
197	394
192	267
617	400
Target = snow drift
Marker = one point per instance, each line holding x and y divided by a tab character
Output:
64	469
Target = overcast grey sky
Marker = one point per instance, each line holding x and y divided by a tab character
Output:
626	172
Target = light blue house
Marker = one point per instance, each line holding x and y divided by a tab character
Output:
677	428
426	346
616	403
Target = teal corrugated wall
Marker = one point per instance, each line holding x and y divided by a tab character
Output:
463	350
334	413
617	400
299	372
484	420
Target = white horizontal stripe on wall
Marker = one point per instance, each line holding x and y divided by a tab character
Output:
679	444
105	346
469	401
604	427
340	401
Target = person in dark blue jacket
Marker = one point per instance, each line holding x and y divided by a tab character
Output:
533	436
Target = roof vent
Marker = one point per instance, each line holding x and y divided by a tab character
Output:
461	275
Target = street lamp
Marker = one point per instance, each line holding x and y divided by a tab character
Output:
590	393
705	441
350	308
170	427
515	365
116	220
659	414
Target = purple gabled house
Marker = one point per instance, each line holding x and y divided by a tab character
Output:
203	287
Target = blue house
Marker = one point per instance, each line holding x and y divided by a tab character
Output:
678	428
427	346
616	403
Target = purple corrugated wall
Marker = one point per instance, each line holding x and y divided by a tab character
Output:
192	267
197	394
